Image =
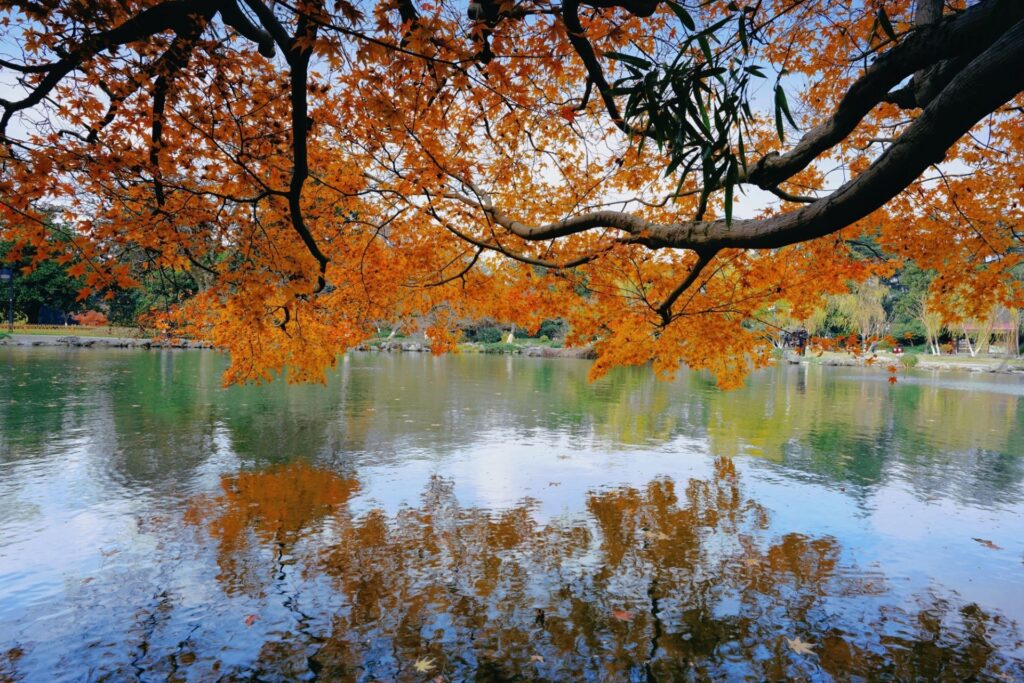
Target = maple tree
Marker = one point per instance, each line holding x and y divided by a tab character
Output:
322	166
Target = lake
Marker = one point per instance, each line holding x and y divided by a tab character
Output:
497	518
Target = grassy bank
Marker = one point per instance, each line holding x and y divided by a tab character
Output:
79	331
920	361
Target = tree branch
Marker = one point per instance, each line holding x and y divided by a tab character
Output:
966	34
988	82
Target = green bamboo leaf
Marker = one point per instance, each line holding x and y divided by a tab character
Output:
629	59
742	152
728	203
713	71
705	47
781	103
683	15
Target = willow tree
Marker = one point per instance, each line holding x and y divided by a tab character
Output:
330	164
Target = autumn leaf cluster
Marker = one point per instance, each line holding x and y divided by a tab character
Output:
398	177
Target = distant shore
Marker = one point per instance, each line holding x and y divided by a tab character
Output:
880	361
883	360
380	346
522	348
88	342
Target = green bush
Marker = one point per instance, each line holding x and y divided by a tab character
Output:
909	360
553	329
486	335
908	333
500	347
544	339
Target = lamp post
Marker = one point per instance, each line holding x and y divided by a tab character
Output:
7	275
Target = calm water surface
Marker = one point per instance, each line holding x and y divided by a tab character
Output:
498	518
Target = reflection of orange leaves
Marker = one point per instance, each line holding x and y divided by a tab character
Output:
623	615
892	379
278	503
250	620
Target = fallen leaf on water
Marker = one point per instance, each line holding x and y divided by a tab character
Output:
800	647
988	544
536	658
250	620
424	666
657	535
622	615
751	561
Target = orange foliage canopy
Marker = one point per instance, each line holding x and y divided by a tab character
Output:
323	166
90	318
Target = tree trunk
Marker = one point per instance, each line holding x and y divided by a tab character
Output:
970	347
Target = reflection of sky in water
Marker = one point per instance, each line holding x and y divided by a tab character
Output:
100	454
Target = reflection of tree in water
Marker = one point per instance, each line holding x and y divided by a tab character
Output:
9	663
268	511
659	583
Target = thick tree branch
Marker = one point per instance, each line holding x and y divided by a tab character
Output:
298	55
167	67
233	17
988	82
963	35
595	74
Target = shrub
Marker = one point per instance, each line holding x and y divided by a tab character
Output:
909	360
553	329
501	347
487	335
544	339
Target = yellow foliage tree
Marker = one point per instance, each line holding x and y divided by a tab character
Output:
325	166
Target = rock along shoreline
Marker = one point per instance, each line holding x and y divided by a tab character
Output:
993	365
82	342
74	341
